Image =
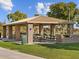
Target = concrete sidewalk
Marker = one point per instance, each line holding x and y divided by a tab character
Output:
9	54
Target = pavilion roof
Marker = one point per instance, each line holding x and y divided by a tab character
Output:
41	20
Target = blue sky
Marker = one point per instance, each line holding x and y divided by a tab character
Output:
29	7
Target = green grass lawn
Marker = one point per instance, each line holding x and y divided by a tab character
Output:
54	51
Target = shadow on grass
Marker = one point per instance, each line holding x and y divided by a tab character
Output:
66	46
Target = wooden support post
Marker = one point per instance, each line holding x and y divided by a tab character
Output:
17	32
40	28
10	32
4	31
71	29
68	29
51	30
30	33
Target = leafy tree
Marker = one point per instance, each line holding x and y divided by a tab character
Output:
63	10
16	16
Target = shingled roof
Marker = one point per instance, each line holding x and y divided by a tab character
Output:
41	20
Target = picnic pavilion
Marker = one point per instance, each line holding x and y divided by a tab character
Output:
39	29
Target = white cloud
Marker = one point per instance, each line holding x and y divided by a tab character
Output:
42	8
40	5
6	4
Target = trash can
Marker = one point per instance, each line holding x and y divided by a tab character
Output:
23	38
